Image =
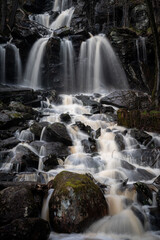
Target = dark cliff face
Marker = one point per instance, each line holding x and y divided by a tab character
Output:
123	21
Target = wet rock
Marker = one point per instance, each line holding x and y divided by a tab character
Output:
50	162
129	99
120	141
139	17
9	94
57	149
30	228
12	118
75	203
64	31
139	214
145	157
86	129
141	136
144	194
19	107
127	165
145	175
88	101
57	132
154	218
7	177
65	117
37	6
25	158
157	180
90	145
17	202
36	128
158	199
9	143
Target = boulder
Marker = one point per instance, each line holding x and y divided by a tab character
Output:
75	203
86	129
26	229
17	202
57	132
130	99
9	143
144	194
12	118
120	141
50	162
158	199
90	145
25	158
88	101
141	136
36	128
57	149
65	117
19	107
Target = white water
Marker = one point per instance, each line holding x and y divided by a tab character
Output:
99	66
17	65
141	49
106	167
42	19
67	53
32	76
63	20
61	5
2	63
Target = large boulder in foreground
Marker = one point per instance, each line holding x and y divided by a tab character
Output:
130	99
17	202
26	229
75	203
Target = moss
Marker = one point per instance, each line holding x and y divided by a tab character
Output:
78	182
16	115
147	120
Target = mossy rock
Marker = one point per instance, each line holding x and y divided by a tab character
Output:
75	203
141	119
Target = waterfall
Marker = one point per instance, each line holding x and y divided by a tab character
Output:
63	20
18	63
141	49
99	66
61	5
67	53
8	52
143	43
32	75
42	19
2	63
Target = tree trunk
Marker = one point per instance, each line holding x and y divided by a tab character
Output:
155	91
3	5
13	13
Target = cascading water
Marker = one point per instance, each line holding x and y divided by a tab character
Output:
63	20
42	19
32	77
67	53
110	166
61	5
33	71
141	49
9	52
99	66
2	64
